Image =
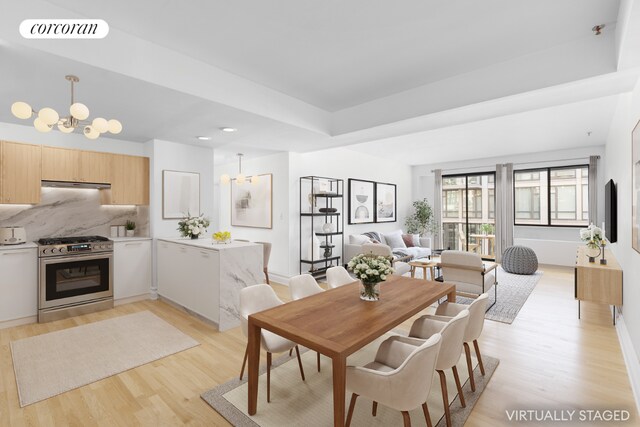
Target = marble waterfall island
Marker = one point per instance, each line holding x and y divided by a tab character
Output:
206	277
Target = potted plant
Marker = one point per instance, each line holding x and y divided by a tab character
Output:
371	270
193	226
421	221
487	228
130	226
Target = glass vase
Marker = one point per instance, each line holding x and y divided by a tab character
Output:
370	291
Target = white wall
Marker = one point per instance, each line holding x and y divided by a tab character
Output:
618	158
553	245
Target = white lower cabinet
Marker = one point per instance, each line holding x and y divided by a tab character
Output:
18	283
131	268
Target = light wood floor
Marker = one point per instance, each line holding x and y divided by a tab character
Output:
548	360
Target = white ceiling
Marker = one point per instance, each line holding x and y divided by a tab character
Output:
336	54
420	81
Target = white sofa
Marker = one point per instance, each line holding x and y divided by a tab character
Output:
353	246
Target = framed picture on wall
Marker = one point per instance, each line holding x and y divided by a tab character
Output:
180	194
385	202
252	203
361	201
635	185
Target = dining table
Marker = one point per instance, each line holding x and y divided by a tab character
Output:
337	323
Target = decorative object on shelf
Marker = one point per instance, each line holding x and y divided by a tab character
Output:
180	193
328	210
371	270
421	221
385	202
603	243
328	227
361	201
314	248
635	183
240	177
251	205
328	249
193	226
130	226
593	236
47	117
222	237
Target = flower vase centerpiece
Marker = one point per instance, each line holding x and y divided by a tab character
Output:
592	235
371	270
222	237
193	226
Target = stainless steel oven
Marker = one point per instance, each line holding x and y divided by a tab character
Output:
75	276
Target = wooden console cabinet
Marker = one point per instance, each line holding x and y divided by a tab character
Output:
596	282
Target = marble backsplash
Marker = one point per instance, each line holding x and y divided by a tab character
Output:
72	212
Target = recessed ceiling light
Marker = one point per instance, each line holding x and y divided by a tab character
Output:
227	129
203	138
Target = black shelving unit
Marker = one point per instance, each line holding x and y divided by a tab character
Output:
321	192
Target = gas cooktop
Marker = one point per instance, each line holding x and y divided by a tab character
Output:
71	240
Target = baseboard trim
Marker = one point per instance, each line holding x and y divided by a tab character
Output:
630	358
129	300
18	322
279	279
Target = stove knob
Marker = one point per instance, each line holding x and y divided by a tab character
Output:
54	250
45	251
63	250
100	246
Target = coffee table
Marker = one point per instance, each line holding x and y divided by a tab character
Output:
425	264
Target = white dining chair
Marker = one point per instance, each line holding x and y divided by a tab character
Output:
338	276
399	377
452	331
474	328
252	300
303	286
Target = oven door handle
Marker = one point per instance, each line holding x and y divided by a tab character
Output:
59	259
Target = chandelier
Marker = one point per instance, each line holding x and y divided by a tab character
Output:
240	178
47	117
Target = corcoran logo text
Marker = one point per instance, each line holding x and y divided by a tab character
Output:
64	29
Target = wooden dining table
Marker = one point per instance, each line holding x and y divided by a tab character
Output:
337	323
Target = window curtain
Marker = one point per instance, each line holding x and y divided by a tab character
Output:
593	189
504	208
437	208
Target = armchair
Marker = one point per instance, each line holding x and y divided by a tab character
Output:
469	273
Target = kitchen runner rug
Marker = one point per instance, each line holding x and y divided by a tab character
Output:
310	403
53	363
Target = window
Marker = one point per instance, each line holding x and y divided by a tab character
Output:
552	196
452	203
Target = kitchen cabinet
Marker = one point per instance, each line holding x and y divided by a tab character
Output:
18	283
20	173
60	164
131	268
95	167
129	181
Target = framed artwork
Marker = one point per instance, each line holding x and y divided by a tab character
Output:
180	194
361	201
385	202
252	204
635	185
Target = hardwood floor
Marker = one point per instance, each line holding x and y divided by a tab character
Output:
548	360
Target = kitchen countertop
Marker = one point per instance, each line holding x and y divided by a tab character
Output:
129	239
208	243
27	245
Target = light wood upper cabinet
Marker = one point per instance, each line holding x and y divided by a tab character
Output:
20	173
60	164
95	167
129	181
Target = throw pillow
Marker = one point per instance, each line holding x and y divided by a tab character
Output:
408	240
358	239
416	239
394	240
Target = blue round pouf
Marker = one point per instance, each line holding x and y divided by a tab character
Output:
519	260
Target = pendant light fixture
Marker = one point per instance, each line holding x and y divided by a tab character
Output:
47	117
240	178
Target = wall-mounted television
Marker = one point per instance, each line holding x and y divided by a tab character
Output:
611	211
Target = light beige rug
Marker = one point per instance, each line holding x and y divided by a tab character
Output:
310	403
56	362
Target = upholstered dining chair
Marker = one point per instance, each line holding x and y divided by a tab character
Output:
252	300
470	275
474	328
452	331
399	377
303	286
338	276
266	246
384	250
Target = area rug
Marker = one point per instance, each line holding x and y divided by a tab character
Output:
56	362
513	291
310	403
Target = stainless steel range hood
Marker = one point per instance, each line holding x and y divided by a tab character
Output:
68	184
